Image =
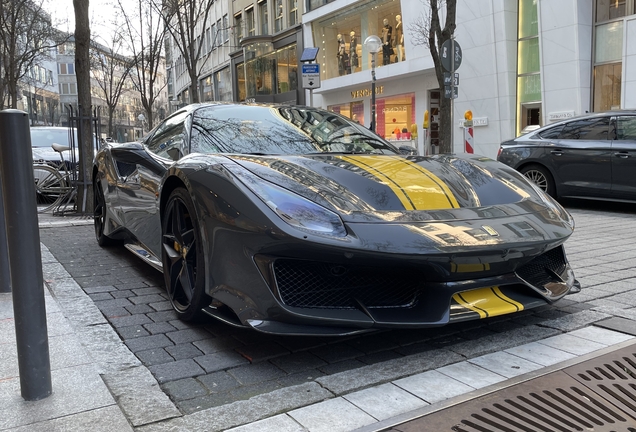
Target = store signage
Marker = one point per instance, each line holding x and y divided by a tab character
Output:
561	115
480	121
366	92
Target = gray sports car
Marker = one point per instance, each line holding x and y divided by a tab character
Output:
296	220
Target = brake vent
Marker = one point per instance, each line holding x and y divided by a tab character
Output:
597	395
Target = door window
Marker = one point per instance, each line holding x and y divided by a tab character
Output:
596	128
552	133
626	128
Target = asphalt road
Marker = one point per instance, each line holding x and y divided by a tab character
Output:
211	364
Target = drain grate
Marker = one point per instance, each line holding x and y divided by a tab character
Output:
597	395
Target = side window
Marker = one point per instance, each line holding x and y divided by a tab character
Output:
203	137
626	128
596	128
167	141
552	133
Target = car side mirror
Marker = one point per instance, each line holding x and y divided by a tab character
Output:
408	150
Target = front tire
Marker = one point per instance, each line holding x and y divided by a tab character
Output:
182	257
99	216
541	177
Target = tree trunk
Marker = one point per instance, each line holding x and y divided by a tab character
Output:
85	136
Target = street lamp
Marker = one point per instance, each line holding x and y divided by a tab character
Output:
373	44
142	119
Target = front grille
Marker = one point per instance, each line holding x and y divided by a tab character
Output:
310	284
541	269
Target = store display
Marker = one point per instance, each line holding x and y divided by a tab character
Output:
343	57
387	42
399	38
353	53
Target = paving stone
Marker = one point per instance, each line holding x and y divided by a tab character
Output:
139	309
501	341
251	374
188	388
380	357
385	401
576	321
148	342
99	289
279	423
151	298
203	403
188	335
218	382
298	362
129	320
149	291
298	378
220	360
471	374
433	386
337	352
539	353
342	366
416	348
176	370
216	344
100	296
335	415
154	356
162	316
373	343
249	391
160	327
132	332
260	352
183	351
161	306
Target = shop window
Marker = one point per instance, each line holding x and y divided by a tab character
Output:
341	38
607	86
207	89
240	79
610	9
223	81
395	116
270	72
353	110
608	52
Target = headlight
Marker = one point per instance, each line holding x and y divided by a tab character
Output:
553	205
297	211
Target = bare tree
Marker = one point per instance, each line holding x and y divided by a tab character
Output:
110	69
183	19
145	32
82	71
427	30
26	38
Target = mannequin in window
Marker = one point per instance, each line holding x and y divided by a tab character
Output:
353	53
387	38
343	59
399	38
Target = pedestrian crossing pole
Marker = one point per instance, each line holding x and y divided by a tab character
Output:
468	132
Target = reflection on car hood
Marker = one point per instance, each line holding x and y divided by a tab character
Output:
47	154
408	188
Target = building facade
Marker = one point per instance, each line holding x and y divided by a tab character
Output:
526	62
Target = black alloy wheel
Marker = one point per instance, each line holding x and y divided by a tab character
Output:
541	177
182	257
99	215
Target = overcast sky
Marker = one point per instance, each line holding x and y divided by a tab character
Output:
101	13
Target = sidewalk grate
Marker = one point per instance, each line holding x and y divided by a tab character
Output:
597	395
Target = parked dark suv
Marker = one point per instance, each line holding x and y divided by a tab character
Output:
590	156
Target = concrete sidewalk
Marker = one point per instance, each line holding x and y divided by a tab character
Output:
99	384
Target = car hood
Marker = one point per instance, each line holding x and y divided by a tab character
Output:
393	188
47	154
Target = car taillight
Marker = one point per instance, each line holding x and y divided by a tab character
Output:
499	152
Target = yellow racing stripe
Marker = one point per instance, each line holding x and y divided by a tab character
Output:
487	302
416	187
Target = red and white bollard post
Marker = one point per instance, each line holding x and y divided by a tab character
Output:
468	132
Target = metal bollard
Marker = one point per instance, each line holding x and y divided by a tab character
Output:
25	260
5	274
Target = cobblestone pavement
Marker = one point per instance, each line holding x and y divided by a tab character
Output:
210	364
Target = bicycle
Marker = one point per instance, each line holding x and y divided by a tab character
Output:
56	183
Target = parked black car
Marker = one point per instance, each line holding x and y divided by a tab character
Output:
591	156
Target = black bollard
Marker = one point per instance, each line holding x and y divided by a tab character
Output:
5	274
25	260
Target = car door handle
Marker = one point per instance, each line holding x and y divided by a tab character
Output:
557	152
622	155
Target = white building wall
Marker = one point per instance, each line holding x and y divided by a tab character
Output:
565	38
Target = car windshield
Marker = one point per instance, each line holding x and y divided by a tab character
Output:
280	130
44	137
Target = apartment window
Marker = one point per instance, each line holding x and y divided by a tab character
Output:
226	33
278	20
263	17
66	69
293	12
68	88
213	35
238	29
250	22
219	33
208	39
